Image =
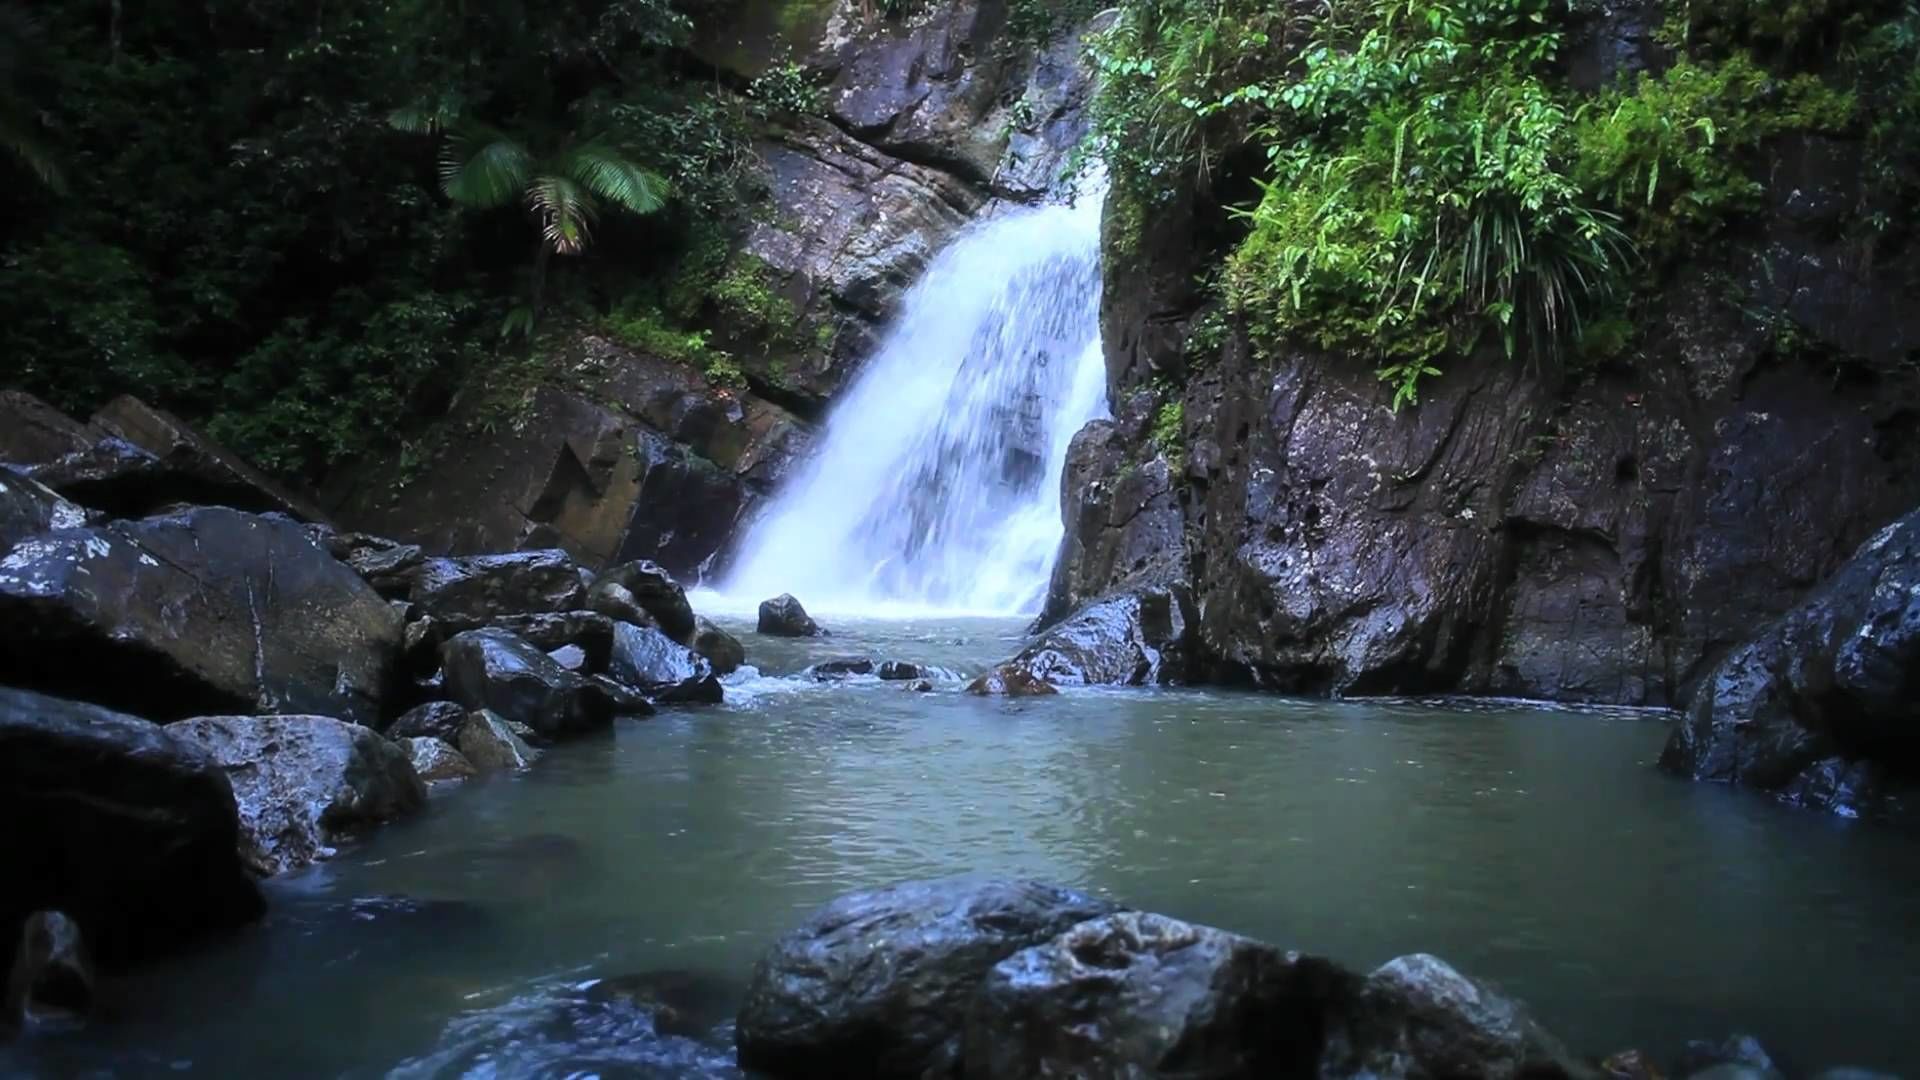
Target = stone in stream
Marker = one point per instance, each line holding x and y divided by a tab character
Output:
202	611
657	594
721	649
498	670
1141	637
1010	682
468	592
52	976
1140	995
918	686
435	720
783	616
669	673
435	760
490	745
1738	1051
841	667
877	983
120	823
303	782
901	671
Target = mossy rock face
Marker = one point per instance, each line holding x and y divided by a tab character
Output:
746	37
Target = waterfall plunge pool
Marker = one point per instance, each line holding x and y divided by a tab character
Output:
1536	848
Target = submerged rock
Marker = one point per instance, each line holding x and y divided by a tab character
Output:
1140	995
303	782
52	976
120	823
721	649
498	670
435	720
1010	682
877	983
919	686
202	611
435	760
901	671
645	658
490	745
783	616
1819	707
841	667
472	591
658	595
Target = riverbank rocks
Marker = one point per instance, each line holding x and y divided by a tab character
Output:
1419	1018
721	649
125	826
435	720
29	509
52	974
469	591
783	616
303	782
877	983
490	745
667	672
658	595
1136	638
435	760
497	670
200	611
1142	995
1822	708
591	633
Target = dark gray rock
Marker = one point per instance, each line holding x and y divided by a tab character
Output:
841	667
627	701
919	686
877	983
383	562
435	720
29	509
666	671
1736	1050
657	594
1135	995
1009	681
497	670
490	745
901	671
133	829
52	976
435	760
33	432
682	1002
590	632
721	649
202	611
303	783
783	616
1417	1017
196	469
1138	638
616	602
1822	708
473	590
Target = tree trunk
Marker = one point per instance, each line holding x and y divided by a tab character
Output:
542	254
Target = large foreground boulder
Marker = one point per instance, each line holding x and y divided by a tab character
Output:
877	983
783	616
497	670
1822	708
202	611
118	822
1417	1017
465	593
1143	995
303	782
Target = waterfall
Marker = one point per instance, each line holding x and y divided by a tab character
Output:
938	484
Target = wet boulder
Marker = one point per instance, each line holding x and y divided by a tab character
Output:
382	562
33	432
303	783
52	976
1010	681
435	760
721	649
1136	638
29	509
841	667
658	595
133	831
491	745
498	670
587	631
783	616
1141	995
471	591
206	610
435	720
1822	707
878	983
901	671
613	600
626	700
195	468
645	658
1417	1017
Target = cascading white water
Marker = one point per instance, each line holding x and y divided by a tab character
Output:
938	484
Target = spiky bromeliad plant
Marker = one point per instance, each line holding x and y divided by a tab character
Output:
565	191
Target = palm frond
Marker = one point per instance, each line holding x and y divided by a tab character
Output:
606	172
484	168
566	211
